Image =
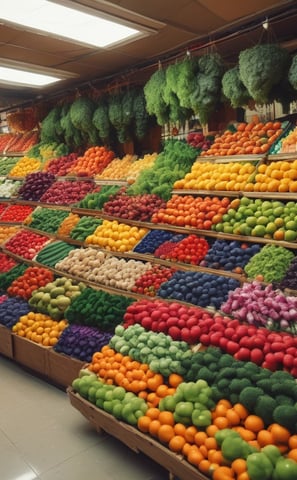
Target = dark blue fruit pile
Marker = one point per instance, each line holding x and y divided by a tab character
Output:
153	240
81	342
203	289
226	255
12	309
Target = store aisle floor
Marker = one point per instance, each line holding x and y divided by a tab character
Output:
43	437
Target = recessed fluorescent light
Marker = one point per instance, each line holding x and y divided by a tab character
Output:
24	78
74	22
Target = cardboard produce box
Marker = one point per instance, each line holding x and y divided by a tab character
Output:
30	354
63	369
6	346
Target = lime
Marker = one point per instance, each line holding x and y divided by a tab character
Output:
270	227
251	221
278	211
290	235
262	220
291	225
228	229
245	201
258	231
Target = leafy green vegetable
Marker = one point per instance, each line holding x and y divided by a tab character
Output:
101	120
206	96
292	76
186	80
81	115
49	132
261	67
234	89
153	91
120	112
141	116
176	112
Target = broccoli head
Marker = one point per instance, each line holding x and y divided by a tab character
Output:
249	396
286	415
265	407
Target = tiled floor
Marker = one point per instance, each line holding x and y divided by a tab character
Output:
43	437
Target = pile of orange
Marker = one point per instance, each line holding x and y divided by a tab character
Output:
39	328
278	176
93	162
68	224
189	211
115	236
6	232
115	368
232	176
249	138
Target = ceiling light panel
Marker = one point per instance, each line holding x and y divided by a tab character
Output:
69	21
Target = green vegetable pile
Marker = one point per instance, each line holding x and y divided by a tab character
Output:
7	163
271	396
172	163
101	121
85	226
50	131
154	97
7	278
292	75
271	262
52	253
47	219
45	150
81	115
96	308
96	200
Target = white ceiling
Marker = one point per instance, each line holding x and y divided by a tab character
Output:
179	25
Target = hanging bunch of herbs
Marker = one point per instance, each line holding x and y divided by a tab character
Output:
141	116
101	120
292	75
72	136
177	113
206	95
81	114
261	68
121	114
49	131
186	80
233	88
154	97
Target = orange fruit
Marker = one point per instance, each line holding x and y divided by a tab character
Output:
200	438
143	423
292	454
233	417
166	418
215	456
204	466
293	441
154	427
264	437
239	465
153	413
211	430
177	443
223	473
254	423
194	456
221	422
280	434
211	443
174	379
243	476
165	433
241	410
179	429
190	433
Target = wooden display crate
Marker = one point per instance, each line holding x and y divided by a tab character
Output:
63	369
30	355
6	346
176	465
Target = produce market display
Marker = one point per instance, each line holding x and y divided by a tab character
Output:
171	276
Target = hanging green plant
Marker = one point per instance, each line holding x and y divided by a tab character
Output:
153	92
186	80
206	95
292	76
81	115
101	120
177	113
261	67
141	116
233	88
49	131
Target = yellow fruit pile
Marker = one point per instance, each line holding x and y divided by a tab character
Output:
280	176
39	328
232	176
117	169
24	166
143	163
6	232
115	236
